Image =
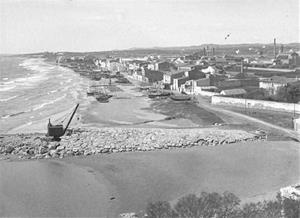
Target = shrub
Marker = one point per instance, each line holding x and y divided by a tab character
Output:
223	206
291	208
160	209
189	207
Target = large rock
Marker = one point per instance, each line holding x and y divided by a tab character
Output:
60	148
42	150
105	150
53	145
53	153
9	149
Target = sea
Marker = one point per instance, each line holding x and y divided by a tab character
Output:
33	90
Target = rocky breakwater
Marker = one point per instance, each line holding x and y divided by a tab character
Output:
111	140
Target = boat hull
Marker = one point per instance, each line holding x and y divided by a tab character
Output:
180	97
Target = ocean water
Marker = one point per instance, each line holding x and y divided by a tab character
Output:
32	89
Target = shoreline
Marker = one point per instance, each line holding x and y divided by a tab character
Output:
133	179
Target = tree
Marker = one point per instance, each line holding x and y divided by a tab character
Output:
223	206
211	203
271	209
289	93
229	205
291	208
189	207
160	209
251	210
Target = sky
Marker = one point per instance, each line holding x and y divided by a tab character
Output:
90	25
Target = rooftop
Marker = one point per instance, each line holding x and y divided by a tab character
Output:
233	92
279	80
172	72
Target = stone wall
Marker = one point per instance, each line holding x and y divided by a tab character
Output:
256	104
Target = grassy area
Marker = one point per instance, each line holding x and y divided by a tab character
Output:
188	110
277	118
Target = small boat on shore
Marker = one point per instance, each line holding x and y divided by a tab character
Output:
91	91
145	88
122	80
158	94
102	97
180	97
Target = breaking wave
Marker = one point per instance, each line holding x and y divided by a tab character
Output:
37	107
7	99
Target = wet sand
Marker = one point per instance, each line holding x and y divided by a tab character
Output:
131	108
106	185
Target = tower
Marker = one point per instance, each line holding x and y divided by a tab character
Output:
275	48
281	48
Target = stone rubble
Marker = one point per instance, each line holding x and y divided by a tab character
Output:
90	141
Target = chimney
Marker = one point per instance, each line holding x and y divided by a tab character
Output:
281	48
213	51
275	48
242	66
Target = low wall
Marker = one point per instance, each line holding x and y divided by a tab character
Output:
256	104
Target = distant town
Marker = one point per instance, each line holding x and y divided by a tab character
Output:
242	76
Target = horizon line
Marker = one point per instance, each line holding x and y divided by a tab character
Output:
153	47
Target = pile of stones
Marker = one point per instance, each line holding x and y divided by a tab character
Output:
112	140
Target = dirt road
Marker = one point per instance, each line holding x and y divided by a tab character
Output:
235	117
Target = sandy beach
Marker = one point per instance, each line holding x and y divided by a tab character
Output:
107	185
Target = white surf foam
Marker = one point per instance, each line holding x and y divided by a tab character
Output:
4	88
7	99
40	106
53	91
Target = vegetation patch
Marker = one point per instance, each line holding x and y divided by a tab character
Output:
225	205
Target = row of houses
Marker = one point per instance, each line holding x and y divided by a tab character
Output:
196	74
91	62
186	78
274	83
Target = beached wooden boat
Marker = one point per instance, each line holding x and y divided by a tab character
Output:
122	80
91	91
158	94
103	98
180	97
145	88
